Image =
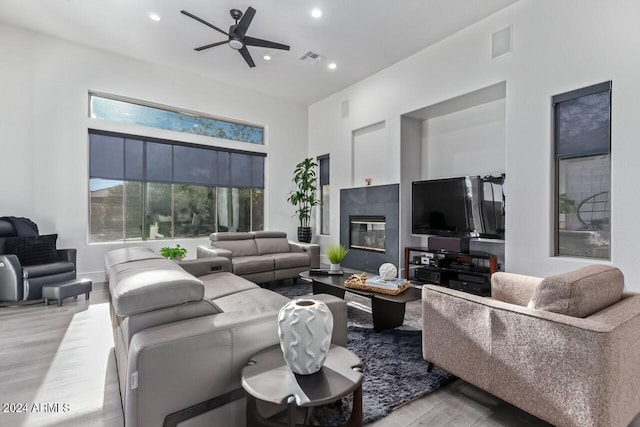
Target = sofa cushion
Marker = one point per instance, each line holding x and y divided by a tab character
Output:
252	301
217	285
136	253
272	245
151	284
290	260
42	270
252	264
33	250
579	293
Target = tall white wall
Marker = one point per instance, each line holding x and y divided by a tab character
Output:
44	121
557	47
466	142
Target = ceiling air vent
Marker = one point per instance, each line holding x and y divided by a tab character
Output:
311	57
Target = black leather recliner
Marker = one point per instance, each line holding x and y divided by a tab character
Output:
24	282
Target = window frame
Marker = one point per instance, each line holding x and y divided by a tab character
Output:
558	158
144	182
321	184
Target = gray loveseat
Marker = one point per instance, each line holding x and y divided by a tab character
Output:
184	331
262	256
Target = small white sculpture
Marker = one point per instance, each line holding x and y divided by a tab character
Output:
388	271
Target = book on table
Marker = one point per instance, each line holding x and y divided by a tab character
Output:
379	282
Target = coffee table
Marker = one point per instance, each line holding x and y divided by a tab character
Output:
268	378
387	310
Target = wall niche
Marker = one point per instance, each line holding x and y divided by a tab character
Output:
463	135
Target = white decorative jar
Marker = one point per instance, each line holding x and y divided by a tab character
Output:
304	328
388	271
335	267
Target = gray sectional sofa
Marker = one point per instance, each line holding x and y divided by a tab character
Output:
184	331
262	256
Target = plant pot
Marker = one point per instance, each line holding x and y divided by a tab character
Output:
334	267
304	234
304	329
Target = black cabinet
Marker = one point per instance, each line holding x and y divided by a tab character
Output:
466	271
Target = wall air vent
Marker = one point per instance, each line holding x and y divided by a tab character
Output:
311	57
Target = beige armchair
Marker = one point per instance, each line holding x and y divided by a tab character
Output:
565	349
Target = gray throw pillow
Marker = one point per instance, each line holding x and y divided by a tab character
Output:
579	293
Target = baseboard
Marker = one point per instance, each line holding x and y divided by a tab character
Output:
95	276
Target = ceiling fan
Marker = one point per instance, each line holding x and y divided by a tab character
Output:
238	39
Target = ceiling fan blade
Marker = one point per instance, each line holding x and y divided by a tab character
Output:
252	41
207	46
245	21
247	56
184	12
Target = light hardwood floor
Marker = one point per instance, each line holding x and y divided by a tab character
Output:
61	360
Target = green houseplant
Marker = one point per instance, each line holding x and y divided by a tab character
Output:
565	206
173	253
303	198
335	254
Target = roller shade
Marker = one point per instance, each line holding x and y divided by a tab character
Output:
124	157
583	122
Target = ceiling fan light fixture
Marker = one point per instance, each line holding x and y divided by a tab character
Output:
267	58
236	44
332	66
316	13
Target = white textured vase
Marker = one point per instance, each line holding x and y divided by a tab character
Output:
304	328
334	267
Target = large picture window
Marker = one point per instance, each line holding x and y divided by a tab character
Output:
583	172
108	107
143	188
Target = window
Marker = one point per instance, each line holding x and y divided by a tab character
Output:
583	172
144	188
325	200
108	107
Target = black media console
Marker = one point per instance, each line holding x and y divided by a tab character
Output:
466	271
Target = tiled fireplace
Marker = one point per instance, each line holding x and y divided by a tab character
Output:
369	226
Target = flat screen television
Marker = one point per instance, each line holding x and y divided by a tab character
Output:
466	206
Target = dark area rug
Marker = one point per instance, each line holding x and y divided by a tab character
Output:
394	371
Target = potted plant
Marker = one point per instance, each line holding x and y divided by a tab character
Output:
176	253
566	206
303	198
335	254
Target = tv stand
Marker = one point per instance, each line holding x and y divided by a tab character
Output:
465	271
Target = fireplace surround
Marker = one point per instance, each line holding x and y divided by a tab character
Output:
375	210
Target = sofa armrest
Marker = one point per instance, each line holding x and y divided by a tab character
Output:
11	284
210	251
178	365
203	266
69	255
311	249
513	288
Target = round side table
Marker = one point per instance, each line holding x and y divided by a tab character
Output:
269	379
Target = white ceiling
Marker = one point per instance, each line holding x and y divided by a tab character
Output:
360	36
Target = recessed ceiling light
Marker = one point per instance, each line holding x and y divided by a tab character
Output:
332	66
154	17
267	58
316	13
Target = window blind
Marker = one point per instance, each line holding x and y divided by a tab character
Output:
131	158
